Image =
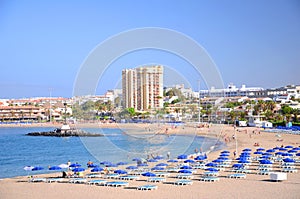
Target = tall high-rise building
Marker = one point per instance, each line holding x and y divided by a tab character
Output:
143	87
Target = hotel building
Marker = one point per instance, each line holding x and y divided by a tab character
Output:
142	88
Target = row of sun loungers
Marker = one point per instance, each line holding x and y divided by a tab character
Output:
209	179
183	182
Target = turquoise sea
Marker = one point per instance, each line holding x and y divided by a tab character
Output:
18	150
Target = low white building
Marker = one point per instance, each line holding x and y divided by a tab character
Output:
266	124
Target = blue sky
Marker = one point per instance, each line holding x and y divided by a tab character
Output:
44	43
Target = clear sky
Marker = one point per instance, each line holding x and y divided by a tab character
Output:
44	43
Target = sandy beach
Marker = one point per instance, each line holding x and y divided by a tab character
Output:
253	186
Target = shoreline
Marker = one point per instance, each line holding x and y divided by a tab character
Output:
246	137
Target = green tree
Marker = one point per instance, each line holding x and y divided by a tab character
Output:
285	109
88	106
131	111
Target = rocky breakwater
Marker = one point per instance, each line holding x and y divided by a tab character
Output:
65	133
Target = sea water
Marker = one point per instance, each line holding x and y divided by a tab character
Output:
18	150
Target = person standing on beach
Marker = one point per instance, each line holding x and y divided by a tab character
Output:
69	163
168	155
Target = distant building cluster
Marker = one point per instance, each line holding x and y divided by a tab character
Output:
34	109
276	94
143	90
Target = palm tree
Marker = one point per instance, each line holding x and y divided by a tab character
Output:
295	112
193	108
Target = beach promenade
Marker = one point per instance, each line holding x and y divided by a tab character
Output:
253	186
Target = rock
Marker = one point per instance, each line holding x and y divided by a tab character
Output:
65	133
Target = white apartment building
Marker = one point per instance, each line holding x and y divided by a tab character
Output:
143	87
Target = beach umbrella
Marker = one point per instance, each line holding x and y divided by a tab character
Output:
246	153
247	149
183	156
225	152
78	169
158	168
218	160
120	171
162	165
122	163
212	169
75	165
265	162
55	168
63	166
211	164
260	149
142	165
292	151
189	161
289	147
288	160
152	160
159	157
283	149
149	174
267	154
270	150
223	158
287	154
199	158
172	160
111	165
276	148
136	159
296	148
237	165
92	165
186	167
37	168
105	163
185	171
97	169
298	154
258	152
279	153
132	167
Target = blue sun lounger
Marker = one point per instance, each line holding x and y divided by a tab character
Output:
117	184
129	177
156	179
185	176
38	180
264	172
93	175
237	175
112	176
97	182
162	174
209	179
147	187
289	170
78	180
211	173
50	180
183	182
